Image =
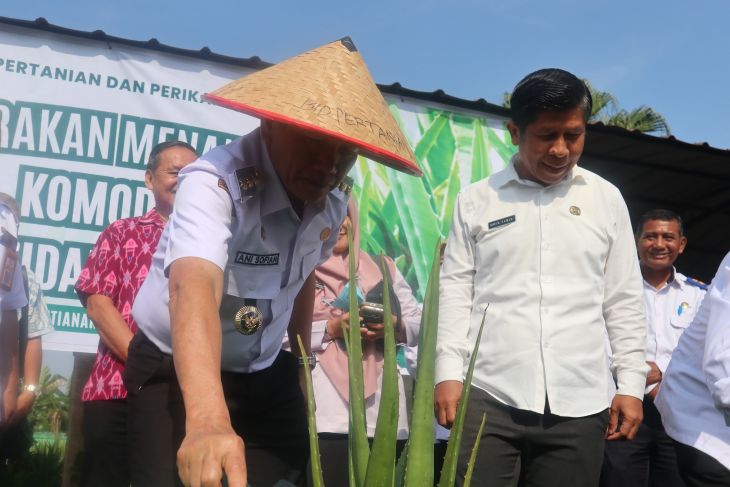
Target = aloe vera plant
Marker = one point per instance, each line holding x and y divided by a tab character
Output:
415	466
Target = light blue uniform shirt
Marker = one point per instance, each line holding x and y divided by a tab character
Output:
265	250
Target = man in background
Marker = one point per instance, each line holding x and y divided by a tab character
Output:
12	298
671	300
109	282
34	322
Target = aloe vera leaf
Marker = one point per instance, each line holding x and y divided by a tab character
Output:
474	451
381	466
317	480
360	449
400	466
419	464
448	470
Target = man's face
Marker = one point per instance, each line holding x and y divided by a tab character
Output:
550	146
163	181
659	244
309	167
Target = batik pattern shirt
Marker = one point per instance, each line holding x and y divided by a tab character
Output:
116	267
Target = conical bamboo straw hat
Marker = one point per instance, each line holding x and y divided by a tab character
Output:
326	91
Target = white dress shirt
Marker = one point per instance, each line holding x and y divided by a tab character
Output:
694	398
265	250
557	267
669	311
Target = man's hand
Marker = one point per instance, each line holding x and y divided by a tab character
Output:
207	453
446	397
22	407
655	374
628	412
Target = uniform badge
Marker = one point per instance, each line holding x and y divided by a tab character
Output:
248	320
222	185
346	186
325	233
682	307
248	179
574	210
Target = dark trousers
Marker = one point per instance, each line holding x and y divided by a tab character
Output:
551	450
333	451
647	460
267	410
698	469
105	460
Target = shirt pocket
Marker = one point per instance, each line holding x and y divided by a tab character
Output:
253	282
681	322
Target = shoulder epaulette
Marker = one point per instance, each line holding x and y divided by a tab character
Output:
696	283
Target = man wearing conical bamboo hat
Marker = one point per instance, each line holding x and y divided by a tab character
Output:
233	273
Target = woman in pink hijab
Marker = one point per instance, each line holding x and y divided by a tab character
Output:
330	377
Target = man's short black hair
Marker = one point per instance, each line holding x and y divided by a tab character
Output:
154	159
548	90
661	215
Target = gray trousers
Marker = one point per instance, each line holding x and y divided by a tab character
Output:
528	449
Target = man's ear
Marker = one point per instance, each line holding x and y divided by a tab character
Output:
682	244
514	132
148	179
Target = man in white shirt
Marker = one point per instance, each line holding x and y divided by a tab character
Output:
671	300
234	272
12	298
546	248
694	396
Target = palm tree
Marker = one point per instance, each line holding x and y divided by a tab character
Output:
50	410
605	110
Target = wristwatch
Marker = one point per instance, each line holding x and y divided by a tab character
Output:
310	359
32	388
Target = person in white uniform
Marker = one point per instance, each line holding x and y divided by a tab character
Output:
233	273
671	300
12	298
546	249
694	396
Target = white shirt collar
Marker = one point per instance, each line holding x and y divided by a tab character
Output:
509	175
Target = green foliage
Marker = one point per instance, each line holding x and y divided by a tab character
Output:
41	467
474	451
403	216
359	449
419	463
50	410
315	460
381	466
448	471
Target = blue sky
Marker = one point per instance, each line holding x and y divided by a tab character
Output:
671	55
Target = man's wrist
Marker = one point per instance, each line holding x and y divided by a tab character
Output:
310	359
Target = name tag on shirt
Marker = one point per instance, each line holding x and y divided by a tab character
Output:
246	258
502	221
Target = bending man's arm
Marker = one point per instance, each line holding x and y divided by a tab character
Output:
211	447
